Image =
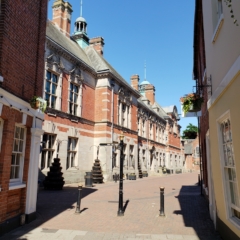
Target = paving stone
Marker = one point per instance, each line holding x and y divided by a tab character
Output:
187	216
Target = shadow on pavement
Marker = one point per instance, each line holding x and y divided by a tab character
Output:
50	203
125	205
195	212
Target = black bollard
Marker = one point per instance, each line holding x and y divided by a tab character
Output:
115	177
198	179
79	199
162	214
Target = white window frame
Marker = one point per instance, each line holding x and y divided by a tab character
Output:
71	153
143	128
18	181
131	155
48	151
219	19
56	84
151	131
225	174
75	99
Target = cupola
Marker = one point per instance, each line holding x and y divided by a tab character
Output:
80	31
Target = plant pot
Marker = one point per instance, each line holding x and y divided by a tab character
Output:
35	105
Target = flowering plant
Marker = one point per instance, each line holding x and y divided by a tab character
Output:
38	103
191	102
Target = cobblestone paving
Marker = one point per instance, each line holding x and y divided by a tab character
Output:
186	212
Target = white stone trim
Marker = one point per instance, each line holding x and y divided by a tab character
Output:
227	204
12	101
31	196
231	74
16	186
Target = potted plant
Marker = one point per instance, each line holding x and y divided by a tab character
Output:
34	102
38	103
191	102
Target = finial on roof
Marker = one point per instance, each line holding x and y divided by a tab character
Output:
81	9
145	71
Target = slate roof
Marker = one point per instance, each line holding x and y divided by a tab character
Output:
89	55
169	109
66	43
101	64
160	113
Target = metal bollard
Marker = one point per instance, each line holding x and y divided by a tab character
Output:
126	176
79	199
162	214
198	179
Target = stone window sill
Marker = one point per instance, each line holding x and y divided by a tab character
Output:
18	185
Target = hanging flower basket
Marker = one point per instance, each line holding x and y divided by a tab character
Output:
38	103
192	102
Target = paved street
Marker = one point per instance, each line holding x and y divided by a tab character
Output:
186	212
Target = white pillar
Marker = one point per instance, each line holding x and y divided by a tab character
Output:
32	184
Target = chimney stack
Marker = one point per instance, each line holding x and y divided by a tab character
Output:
98	43
62	16
150	93
135	81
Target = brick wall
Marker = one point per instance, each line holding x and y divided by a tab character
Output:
22	38
12	202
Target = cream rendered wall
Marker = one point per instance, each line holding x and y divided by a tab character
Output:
229	101
223	65
221	54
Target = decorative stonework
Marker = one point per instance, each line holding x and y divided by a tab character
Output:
124	96
54	62
71	58
76	76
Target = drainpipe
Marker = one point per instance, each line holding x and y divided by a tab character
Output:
112	119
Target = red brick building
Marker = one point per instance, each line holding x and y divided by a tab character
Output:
90	103
203	87
192	154
22	37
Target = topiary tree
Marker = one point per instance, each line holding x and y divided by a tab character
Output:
190	132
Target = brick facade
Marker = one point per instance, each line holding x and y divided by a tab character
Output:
199	72
106	105
22	38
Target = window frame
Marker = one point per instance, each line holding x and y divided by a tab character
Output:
18	180
218	19
77	103
225	174
49	102
71	163
46	150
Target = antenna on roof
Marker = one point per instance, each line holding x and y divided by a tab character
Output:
145	71
81	9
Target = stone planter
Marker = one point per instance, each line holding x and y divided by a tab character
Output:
145	174
132	176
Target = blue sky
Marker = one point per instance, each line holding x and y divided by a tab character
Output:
156	31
